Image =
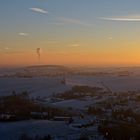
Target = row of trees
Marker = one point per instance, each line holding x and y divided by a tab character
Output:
78	92
20	107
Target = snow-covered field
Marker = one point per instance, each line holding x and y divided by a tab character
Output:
114	83
76	104
11	131
45	87
42	87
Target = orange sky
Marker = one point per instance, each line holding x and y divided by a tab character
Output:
96	59
84	32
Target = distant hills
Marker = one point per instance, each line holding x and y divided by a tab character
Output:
44	70
52	67
60	70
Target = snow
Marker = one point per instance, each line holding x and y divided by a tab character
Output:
43	87
114	83
76	104
32	128
47	86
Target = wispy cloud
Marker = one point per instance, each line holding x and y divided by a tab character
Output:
23	34
75	45
7	48
110	37
39	10
72	21
131	18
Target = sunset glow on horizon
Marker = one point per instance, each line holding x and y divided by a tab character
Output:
70	32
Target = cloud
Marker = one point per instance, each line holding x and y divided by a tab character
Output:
39	10
6	48
72	21
110	38
74	45
123	18
23	34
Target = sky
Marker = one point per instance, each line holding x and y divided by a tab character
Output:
70	32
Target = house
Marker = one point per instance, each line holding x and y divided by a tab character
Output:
41	115
6	117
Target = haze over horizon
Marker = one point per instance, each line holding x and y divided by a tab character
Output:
70	32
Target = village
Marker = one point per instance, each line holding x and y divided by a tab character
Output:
59	103
89	112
